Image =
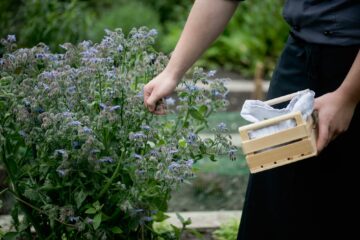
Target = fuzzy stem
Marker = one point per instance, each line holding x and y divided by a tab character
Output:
116	172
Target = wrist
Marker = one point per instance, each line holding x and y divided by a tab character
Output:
173	73
348	95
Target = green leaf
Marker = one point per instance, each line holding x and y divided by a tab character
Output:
196	114
11	236
203	110
90	211
160	216
97	221
182	220
117	230
79	198
182	143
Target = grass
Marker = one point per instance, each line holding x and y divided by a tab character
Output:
223	166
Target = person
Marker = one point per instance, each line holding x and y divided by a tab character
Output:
316	197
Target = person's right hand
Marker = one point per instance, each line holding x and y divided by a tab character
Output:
158	88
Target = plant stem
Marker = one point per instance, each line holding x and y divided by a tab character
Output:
23	206
116	172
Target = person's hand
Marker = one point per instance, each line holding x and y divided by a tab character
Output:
335	112
158	88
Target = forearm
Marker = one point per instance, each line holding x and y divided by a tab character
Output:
206	21
350	88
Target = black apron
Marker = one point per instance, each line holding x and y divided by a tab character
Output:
312	198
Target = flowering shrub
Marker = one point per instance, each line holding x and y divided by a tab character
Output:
86	160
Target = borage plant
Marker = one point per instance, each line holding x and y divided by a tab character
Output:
86	160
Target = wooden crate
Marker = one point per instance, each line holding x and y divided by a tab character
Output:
280	148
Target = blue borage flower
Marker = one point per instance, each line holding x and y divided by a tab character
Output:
191	138
232	154
114	108
74	219
61	172
170	101
11	38
137	156
221	126
106	160
211	73
74	123
145	127
137	136
60	152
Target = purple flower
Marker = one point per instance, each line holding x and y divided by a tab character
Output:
138	36
170	101
140	172
137	136
154	153
192	88
173	166
11	38
106	160
73	219
221	126
191	138
74	123
145	127
61	172
152	32
137	156
89	220
232	154
114	108
211	73
71	89
40	56
120	48
60	152
22	133
67	114
147	219
87	130
102	106
173	150
189	162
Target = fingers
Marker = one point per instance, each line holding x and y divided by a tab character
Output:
323	137
153	103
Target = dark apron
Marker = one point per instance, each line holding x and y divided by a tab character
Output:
312	198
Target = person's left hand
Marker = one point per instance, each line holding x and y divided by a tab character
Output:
335	112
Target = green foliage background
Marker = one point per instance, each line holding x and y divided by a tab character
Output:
256	33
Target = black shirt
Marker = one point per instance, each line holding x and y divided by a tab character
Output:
333	22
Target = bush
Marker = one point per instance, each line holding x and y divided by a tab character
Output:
125	16
227	231
48	21
85	159
255	35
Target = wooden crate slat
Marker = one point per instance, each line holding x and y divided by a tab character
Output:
281	137
271	121
281	154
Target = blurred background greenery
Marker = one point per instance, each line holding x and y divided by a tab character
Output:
254	37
